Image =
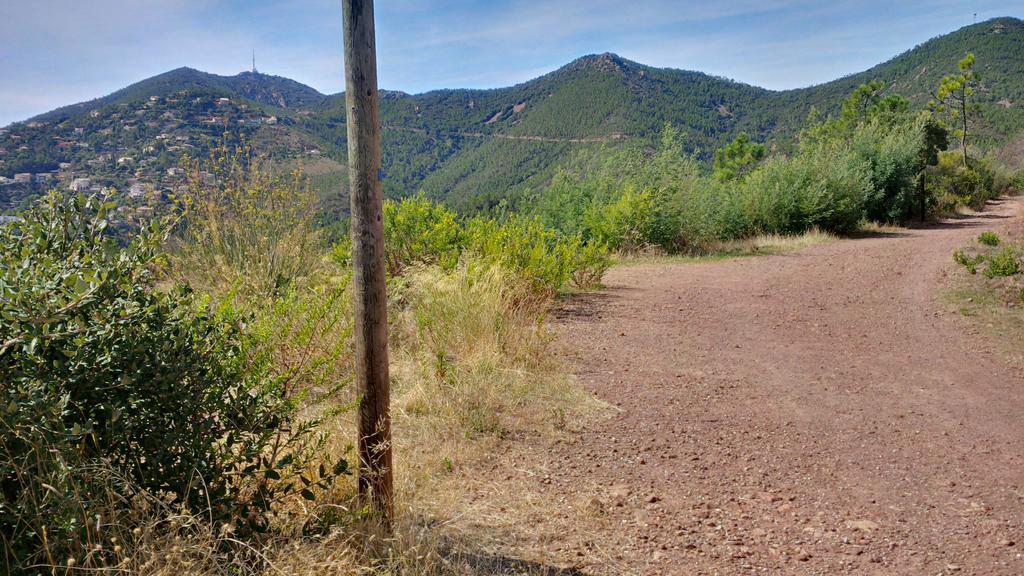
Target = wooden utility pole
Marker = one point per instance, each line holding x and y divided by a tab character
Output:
368	280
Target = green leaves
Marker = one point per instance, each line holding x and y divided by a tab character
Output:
418	231
738	158
954	97
99	370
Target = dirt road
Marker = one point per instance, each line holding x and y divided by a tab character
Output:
820	412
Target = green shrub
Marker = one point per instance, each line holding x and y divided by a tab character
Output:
523	246
891	154
1016	185
565	204
738	158
1002	263
952	184
969	262
588	263
989	238
822	187
111	386
624	224
417	230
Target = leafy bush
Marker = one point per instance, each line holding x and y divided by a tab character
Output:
838	177
736	159
418	231
823	187
989	239
587	263
952	184
102	372
624	224
566	204
969	262
526	247
1002	263
1016	183
891	154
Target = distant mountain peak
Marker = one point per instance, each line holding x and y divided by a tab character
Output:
605	62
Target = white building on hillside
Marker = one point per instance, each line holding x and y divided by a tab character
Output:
80	185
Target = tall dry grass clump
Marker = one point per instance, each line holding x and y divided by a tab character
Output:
246	229
473	355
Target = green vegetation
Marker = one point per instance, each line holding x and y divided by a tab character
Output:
952	186
955	97
989	239
995	296
1005	261
113	388
865	167
418	231
738	158
879	161
167	401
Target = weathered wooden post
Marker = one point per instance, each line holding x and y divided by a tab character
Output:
369	289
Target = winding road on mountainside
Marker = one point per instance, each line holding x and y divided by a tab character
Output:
818	412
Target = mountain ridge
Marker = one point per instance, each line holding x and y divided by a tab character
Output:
474	147
586	59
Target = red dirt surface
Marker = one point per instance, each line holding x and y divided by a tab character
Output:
820	412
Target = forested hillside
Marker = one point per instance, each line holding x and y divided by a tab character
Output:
474	148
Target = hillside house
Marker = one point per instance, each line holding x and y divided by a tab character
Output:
137	191
80	185
23	178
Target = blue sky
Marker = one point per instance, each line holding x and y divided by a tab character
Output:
56	52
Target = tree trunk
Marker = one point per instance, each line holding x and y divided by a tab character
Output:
921	195
368	277
963	115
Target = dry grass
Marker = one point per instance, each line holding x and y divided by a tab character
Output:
473	375
994	308
995	305
763	245
777	243
879	229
